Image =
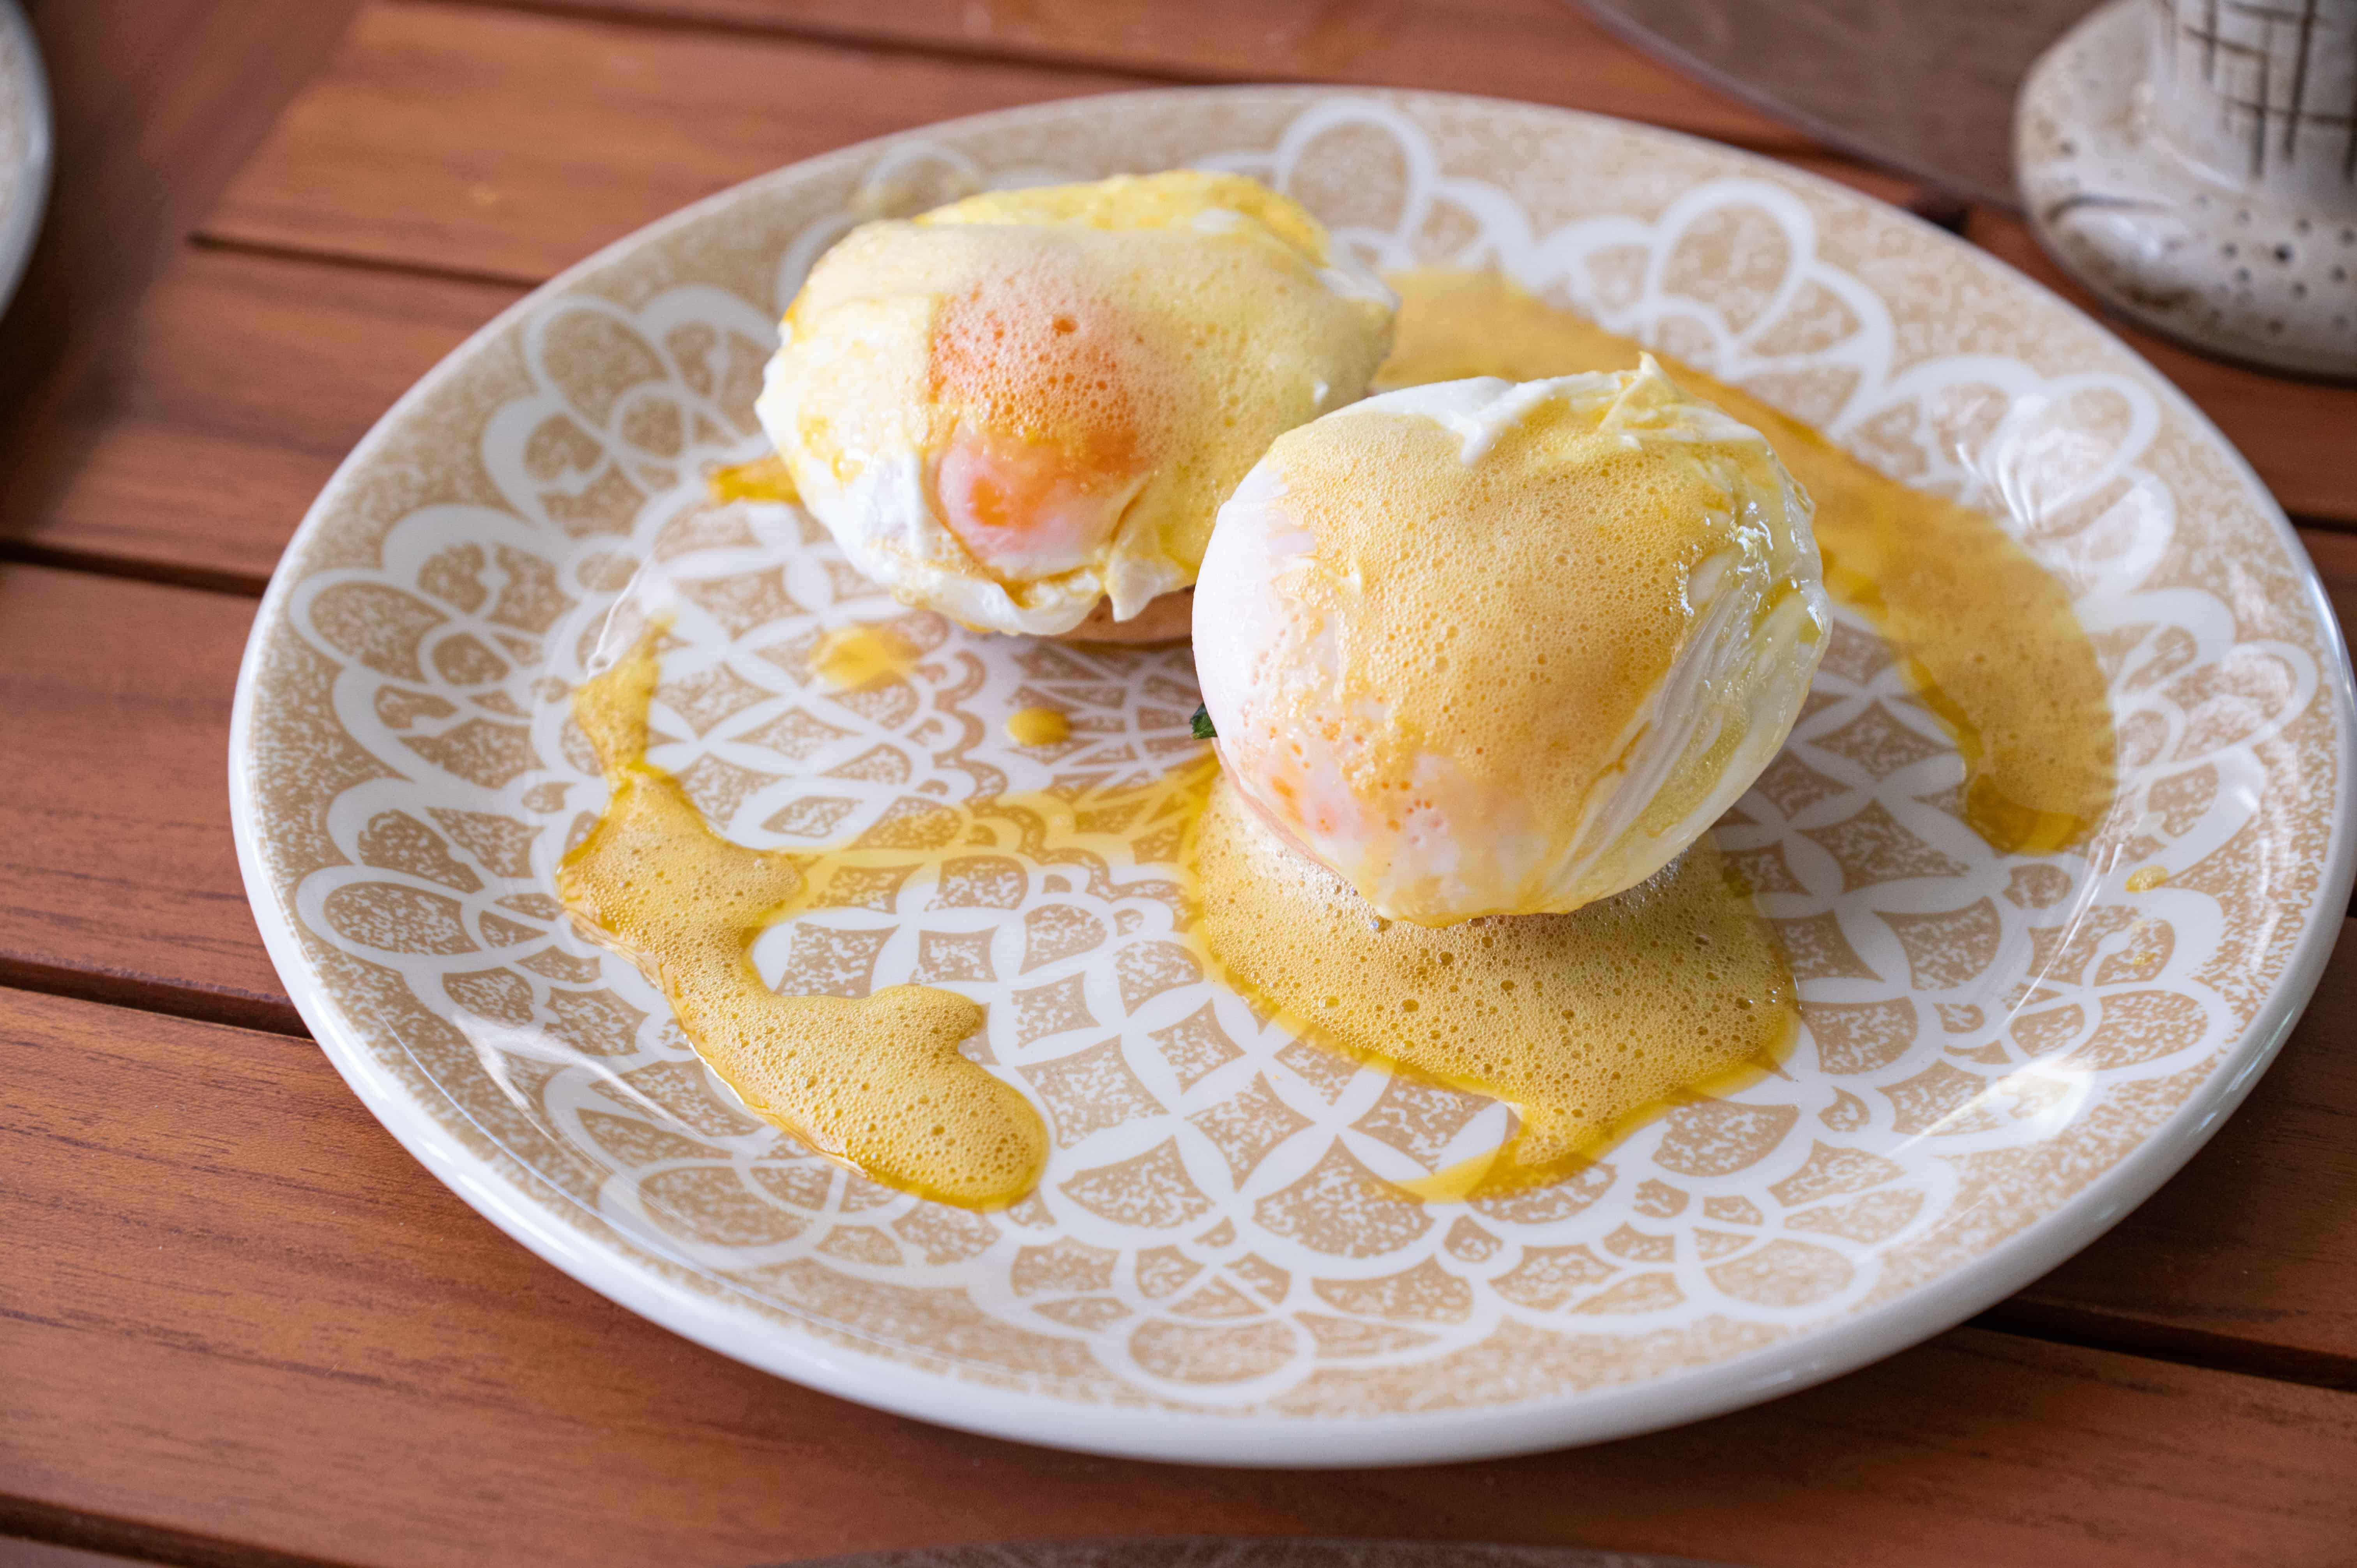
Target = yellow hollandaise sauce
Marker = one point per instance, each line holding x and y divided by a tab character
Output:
1587	1023
855	657
1038	727
762	480
876	1081
1987	636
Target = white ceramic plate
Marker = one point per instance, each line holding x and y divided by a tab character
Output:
23	144
2004	1054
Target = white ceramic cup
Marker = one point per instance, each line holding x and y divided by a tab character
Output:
2195	162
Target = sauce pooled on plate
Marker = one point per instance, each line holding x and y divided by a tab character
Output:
873	1081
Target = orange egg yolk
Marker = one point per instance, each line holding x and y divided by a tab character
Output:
1047	451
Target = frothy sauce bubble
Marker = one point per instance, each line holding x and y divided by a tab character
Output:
1587	1023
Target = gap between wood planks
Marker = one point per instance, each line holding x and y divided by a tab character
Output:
2062	1325
104	1536
145	994
356	261
134	569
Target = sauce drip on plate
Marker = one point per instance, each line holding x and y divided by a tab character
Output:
1586	1022
762	480
876	1080
856	658
1988	637
1038	727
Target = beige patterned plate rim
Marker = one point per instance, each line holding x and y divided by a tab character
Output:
1921	1164
25	134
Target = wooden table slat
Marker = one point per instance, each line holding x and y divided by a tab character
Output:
115	843
510	145
192	452
1547	51
302	1341
153	111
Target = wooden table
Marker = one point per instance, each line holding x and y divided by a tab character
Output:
238	1325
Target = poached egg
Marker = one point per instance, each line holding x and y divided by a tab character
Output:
1489	648
1016	406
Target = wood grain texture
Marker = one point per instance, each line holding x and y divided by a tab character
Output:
43	1536
157	103
2298	434
1545	51
17	1552
114	841
239	1327
508	145
191	451
239	1310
